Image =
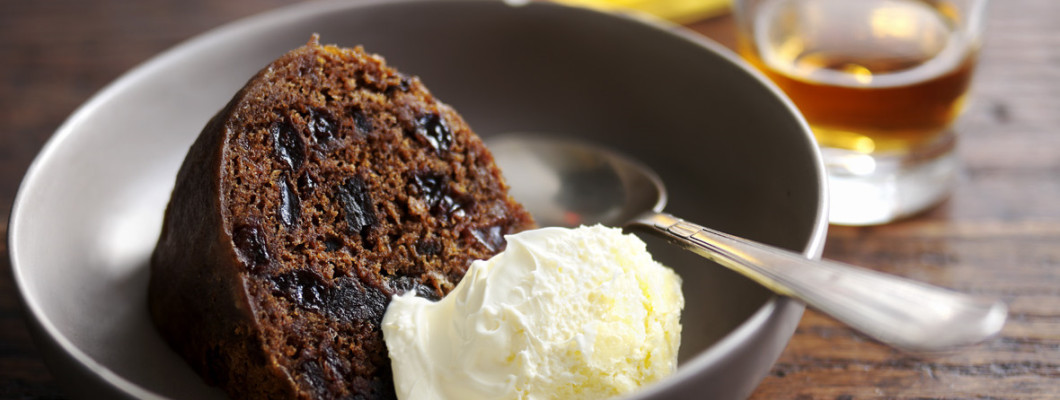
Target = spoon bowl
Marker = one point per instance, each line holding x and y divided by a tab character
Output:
577	183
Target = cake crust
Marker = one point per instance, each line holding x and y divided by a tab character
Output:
328	184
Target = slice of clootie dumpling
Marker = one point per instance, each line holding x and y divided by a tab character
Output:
329	183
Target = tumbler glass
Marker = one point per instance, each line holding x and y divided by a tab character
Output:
880	83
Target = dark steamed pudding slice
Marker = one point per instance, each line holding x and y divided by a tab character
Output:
328	184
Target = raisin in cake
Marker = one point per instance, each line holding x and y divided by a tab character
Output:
327	185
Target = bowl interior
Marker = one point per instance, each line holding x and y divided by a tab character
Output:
733	155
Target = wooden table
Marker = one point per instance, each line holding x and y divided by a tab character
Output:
998	235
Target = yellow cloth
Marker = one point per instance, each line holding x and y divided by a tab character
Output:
679	11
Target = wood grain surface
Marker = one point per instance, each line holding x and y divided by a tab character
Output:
998	234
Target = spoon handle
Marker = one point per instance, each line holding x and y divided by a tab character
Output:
905	314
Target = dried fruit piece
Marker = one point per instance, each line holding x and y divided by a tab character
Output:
290	209
428	247
251	246
302	287
347	300
404	284
332	244
306	184
450	206
287	145
361	121
351	301
430	187
321	126
356	205
433	188
490	236
435	131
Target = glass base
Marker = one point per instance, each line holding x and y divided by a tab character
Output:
870	189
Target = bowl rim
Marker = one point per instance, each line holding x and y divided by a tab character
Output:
777	304
772	309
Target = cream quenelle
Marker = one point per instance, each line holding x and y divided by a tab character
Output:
580	313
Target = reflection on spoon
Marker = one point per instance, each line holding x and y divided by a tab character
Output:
564	183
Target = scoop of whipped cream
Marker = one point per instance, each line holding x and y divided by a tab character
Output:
579	313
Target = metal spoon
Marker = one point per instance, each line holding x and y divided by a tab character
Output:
566	183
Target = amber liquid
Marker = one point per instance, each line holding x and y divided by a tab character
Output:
869	76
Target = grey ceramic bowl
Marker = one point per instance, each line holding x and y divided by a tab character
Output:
734	153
